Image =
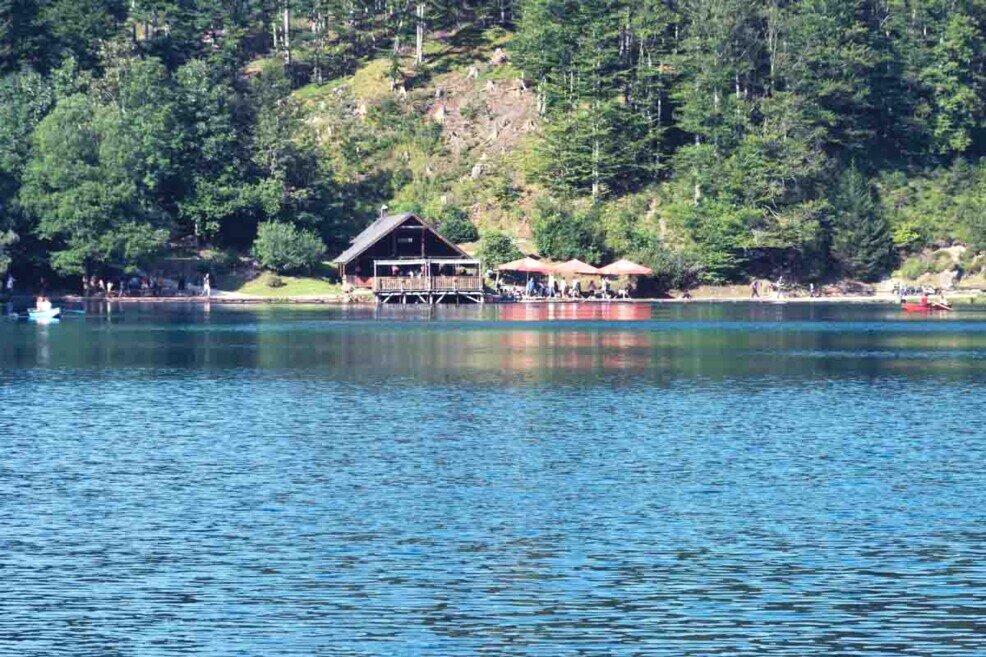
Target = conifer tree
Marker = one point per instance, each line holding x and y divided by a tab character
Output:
861	242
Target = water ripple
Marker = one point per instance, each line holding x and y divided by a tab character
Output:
576	492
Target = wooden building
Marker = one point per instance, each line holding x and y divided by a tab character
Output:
403	259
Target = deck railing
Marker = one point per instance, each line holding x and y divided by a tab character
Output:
428	284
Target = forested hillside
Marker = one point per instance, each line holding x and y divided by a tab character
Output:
711	139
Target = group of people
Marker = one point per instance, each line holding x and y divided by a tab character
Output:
562	288
93	286
153	286
778	288
420	272
903	290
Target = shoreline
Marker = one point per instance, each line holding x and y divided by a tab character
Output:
963	297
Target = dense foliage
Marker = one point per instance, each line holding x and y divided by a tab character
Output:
743	113
713	139
284	248
561	234
455	225
497	247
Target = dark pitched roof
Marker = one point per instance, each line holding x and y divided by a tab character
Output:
380	228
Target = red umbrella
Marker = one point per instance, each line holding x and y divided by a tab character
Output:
625	268
575	267
526	265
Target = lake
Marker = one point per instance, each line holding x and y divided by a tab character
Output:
690	479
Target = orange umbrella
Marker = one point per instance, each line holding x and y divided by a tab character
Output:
625	268
576	267
526	265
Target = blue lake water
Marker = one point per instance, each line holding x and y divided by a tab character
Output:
609	480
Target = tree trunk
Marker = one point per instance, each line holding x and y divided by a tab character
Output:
419	49
595	168
286	37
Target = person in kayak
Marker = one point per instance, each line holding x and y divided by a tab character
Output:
43	304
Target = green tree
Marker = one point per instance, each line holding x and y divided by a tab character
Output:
25	98
217	177
455	225
7	238
861	243
496	248
22	35
79	27
100	168
562	234
602	134
954	76
721	232
284	248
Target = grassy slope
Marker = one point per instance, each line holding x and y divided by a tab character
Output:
294	286
485	127
316	285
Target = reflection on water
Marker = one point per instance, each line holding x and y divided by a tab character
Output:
524	480
539	312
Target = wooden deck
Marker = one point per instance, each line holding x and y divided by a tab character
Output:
429	289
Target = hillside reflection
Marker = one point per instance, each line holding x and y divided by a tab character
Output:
580	344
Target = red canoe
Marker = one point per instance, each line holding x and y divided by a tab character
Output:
922	307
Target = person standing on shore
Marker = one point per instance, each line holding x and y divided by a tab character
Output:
754	289
206	286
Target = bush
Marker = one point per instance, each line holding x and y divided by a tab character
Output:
977	265
456	227
562	235
283	248
941	261
274	281
496	248
912	268
673	270
215	260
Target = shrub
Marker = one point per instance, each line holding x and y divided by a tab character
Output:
216	260
941	261
274	281
474	109
977	264
496	248
7	238
282	247
455	226
562	235
673	270
912	268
